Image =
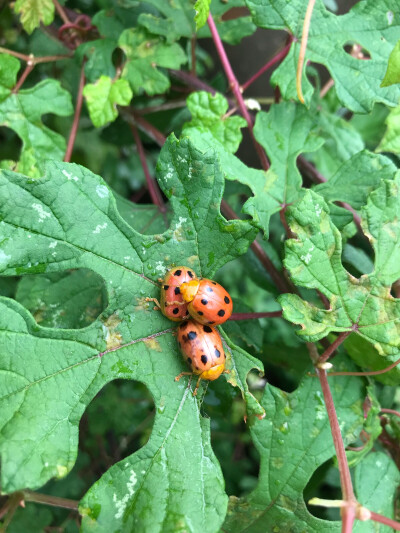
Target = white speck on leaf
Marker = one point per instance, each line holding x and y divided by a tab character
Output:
69	176
102	191
41	212
4	258
99	227
390	17
121	504
306	258
318	210
160	267
53	244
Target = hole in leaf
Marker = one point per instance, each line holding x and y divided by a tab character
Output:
235	13
357	51
117	423
325	484
67	300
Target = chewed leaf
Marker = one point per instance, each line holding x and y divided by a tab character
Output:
102	98
364	306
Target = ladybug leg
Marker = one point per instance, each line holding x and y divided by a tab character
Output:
197	387
227	372
158	306
160	280
183	374
175	303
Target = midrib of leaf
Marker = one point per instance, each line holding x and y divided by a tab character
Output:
98	355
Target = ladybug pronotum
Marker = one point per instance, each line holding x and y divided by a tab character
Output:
208	302
202	349
171	302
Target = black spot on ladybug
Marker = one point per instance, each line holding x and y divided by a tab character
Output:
190	274
189	360
185	338
211	322
213	282
217	352
166	304
204	359
200	313
192	335
166	287
209	289
184	325
221	312
177	272
176	310
207	329
226	299
204	302
178	291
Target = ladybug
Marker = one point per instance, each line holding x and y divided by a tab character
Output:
208	302
171	302
202	349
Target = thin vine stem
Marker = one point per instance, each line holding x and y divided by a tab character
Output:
247	316
28	69
384	520
303	47
370	373
46	499
33	59
61	12
391	412
329	351
277	57
234	85
78	109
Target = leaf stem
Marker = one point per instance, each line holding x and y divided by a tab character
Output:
384	520
234	85
61	12
31	58
277	57
192	81
78	109
371	373
303	46
46	499
193	54
28	69
247	316
389	411
345	478
9	509
329	351
152	185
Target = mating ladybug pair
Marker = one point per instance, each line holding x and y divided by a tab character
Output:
208	304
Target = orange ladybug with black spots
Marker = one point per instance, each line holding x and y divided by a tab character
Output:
202	349
207	301
171	303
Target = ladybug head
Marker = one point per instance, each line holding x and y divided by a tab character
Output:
189	289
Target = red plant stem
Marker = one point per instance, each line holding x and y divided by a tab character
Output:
75	123
247	316
154	191
371	373
28	69
384	520
345	478
31	58
278	57
145	126
329	351
236	89
388	411
192	81
61	12
54	501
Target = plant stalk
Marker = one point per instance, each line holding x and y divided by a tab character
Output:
78	109
46	499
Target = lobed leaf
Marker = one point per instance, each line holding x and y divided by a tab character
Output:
372	25
363	306
34	12
202	8
392	75
102	98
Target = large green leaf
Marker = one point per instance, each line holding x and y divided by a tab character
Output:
34	12
293	440
145	52
69	219
373	25
364	306
22	112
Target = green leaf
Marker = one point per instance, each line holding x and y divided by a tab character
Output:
392	75
208	115
293	440
373	25
356	178
375	481
363	306
68	300
146	52
102	98
202	8
391	139
177	19
72	212
98	56
22	113
230	29
285	131
34	12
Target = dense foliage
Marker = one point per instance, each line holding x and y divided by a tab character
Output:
122	155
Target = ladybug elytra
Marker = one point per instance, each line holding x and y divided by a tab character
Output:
208	302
